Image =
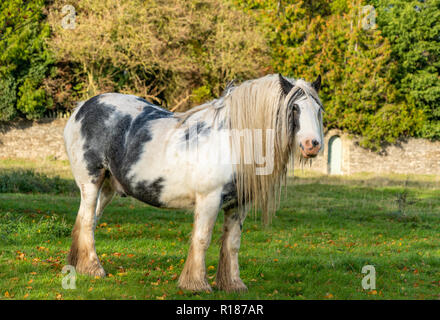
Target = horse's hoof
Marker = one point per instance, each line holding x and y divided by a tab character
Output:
233	286
93	269
195	286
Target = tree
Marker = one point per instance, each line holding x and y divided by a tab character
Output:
24	59
175	53
355	62
413	29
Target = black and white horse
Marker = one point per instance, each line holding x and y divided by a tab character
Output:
230	153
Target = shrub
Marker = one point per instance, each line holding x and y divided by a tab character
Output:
25	60
308	38
171	52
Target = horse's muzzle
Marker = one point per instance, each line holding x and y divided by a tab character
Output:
310	148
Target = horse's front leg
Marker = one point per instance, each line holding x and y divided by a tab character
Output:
193	276
82	253
228	273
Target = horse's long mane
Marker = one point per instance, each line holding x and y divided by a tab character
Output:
258	104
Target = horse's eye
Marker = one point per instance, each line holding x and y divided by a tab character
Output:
295	107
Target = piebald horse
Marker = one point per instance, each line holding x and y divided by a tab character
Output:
209	158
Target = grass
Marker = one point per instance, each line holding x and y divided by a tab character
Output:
326	230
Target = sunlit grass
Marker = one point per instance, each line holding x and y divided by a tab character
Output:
325	231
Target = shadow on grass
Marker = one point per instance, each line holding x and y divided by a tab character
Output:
29	181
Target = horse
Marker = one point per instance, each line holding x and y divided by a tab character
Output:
118	143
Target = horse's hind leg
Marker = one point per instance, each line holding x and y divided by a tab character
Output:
193	276
82	252
106	194
228	273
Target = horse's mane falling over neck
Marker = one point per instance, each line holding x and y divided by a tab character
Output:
256	104
259	104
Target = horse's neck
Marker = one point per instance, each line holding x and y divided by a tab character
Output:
214	115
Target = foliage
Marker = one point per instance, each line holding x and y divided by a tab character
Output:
379	82
413	29
171	52
24	59
308	38
8	98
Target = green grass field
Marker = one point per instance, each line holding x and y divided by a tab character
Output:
326	230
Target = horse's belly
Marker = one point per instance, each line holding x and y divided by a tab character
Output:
169	173
179	201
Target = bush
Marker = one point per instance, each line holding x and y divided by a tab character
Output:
174	53
308	38
8	98
25	60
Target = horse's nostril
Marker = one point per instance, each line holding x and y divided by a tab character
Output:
315	142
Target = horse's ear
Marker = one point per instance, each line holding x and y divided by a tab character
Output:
286	85
317	84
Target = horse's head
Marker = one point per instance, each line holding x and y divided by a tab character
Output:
306	110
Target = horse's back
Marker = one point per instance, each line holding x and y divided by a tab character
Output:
108	128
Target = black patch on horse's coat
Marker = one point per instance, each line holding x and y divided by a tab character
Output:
139	133
297	95
200	128
229	199
118	145
93	116
150	192
116	152
221	125
293	116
